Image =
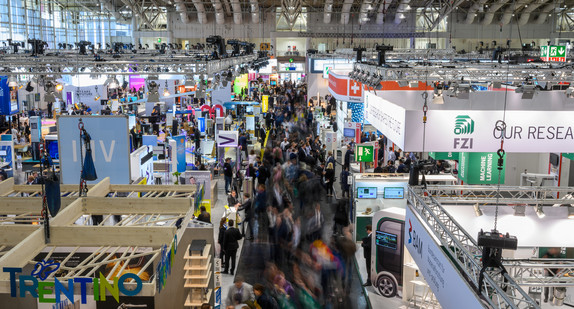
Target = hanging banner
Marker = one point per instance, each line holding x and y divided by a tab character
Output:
264	103
447	284
8	97
480	168
180	148
344	89
386	117
227	138
110	147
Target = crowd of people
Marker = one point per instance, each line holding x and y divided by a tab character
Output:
291	212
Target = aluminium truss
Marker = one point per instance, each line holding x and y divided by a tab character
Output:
498	289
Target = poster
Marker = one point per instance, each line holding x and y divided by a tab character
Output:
180	153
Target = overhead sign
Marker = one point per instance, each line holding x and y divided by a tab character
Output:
344	89
443	278
265	46
201	123
480	168
553	53
227	139
110	147
364	153
386	117
264	103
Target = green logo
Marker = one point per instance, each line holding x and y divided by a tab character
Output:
463	125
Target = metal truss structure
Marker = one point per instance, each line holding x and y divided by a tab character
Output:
498	289
147	218
541	272
468	72
484	195
438	10
74	64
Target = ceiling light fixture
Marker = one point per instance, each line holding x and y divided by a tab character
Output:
539	212
477	211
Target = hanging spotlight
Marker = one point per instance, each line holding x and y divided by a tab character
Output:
166	90
477	210
539	212
97	96
59	87
29	87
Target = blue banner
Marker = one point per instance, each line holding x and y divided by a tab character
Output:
180	146
8	97
110	147
201	123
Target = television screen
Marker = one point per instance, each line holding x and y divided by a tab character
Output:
366	192
386	240
395	193
349	132
273	83
52	146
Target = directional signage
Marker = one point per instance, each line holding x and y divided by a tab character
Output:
553	53
364	153
227	139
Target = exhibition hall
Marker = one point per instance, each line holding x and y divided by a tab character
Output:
265	154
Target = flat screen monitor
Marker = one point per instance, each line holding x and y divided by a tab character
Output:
349	132
273	83
52	147
386	240
394	192
366	192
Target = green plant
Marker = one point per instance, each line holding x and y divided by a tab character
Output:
176	174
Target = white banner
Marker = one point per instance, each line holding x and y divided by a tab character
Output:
386	117
447	284
474	131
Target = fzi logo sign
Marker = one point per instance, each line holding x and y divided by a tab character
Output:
415	240
463	125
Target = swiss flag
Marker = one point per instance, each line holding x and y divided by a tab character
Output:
355	89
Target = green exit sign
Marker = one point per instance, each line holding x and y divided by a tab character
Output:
159	40
365	153
553	53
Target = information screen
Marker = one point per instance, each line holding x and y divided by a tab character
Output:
349	132
366	192
386	240
395	193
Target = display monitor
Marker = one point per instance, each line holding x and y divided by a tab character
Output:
394	192
366	192
386	240
349	132
52	147
3	153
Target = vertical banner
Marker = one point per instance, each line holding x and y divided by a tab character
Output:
180	148
447	284
480	168
250	124
7	150
201	123
110	147
264	103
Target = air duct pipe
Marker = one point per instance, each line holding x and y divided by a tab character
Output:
219	15
489	16
346	11
254	11
401	10
328	10
514	7
383	7
237	15
477	6
525	14
182	10
366	6
201	16
544	13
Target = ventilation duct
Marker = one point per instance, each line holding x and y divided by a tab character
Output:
476	7
201	16
383	7
254	11
514	7
401	10
544	14
182	10
489	16
346	11
219	14
328	10
237	15
525	14
366	7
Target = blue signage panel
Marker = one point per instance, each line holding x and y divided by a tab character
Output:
8	98
201	123
180	147
110	147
